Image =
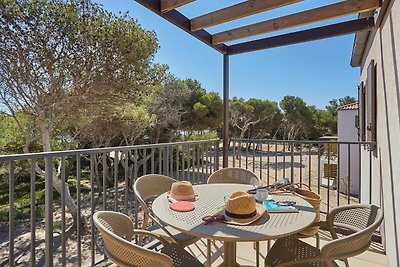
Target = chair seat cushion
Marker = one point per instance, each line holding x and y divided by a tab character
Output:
291	249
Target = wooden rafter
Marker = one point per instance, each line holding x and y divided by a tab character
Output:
168	5
323	32
183	23
237	11
310	16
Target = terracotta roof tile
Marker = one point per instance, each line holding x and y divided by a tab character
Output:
352	106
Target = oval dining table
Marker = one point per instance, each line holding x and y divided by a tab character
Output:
211	198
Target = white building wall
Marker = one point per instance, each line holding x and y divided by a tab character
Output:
348	166
384	47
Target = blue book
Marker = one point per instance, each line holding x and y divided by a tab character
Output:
275	207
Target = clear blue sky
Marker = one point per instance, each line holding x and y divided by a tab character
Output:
316	71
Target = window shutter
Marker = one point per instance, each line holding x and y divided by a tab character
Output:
371	102
361	111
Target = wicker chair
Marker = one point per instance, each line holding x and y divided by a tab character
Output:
235	176
361	220
117	231
146	188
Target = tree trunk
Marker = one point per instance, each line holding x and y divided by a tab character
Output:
57	184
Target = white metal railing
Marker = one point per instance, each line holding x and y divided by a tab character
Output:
104	177
107	176
331	168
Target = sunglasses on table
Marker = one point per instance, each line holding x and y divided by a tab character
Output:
214	218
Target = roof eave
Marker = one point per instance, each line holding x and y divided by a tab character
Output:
360	42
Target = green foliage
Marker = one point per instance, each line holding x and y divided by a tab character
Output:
202	136
11	139
202	110
298	117
254	118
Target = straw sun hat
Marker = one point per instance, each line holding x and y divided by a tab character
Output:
242	209
182	191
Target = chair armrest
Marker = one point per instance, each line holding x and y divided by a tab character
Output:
330	219
154	235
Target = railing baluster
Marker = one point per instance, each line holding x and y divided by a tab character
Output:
240	154
144	161
126	186
192	169
309	165
233	153
49	212
301	162
208	166
329	175
292	162
276	161
166	157
198	166
11	214
216	155
116	162
359	178
78	203
268	160
202	162
370	174
254	156
92	208
319	168
160	161
152	160
339	178
177	162
104	181
348	173
189	178
33	212
63	237
183	163
284	159
247	155
135	167
261	158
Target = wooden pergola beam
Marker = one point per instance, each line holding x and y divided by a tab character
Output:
183	23
168	5
237	11
343	8
329	31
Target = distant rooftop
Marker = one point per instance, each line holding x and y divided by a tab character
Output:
352	106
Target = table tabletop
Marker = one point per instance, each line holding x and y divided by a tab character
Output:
211	197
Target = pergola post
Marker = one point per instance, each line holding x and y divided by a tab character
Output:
225	135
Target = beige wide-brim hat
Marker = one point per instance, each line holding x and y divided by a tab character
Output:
182	191
241	204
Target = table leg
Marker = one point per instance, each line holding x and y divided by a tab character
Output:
229	254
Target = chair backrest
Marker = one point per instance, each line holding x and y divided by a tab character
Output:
233	175
116	230
151	185
361	219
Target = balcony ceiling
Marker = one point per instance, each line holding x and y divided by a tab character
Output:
231	40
